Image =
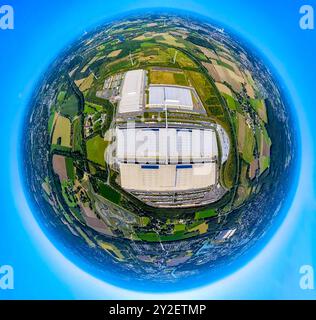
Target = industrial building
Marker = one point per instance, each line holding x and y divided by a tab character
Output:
166	145
132	92
170	97
166	159
167	178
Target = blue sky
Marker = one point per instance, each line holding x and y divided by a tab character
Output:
42	29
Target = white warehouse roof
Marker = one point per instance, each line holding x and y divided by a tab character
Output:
162	145
132	93
167	178
170	96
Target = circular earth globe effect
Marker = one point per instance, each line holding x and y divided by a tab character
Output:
158	151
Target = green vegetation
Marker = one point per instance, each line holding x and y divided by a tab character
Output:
229	172
70	168
91	108
61	97
67	193
179	227
246	139
207	213
77	135
144	221
264	163
247	151
224	64
259	106
154	237
109	193
231	103
95	150
70	106
51	122
167	77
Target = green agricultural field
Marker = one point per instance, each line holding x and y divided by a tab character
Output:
248	146
230	101
167	77
61	97
204	89
264	145
70	168
147	45
264	163
154	237
229	171
207	213
77	135
51	121
70	106
95	150
179	227
246	139
182	59
91	108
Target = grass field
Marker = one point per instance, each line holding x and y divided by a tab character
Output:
77	135
246	139
230	101
264	145
182	59
95	150
207	213
51	122
179	227
154	237
264	163
90	108
70	106
61	97
203	87
229	170
62	132
167	77
70	168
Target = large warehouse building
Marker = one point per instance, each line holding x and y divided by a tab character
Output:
170	97
166	159
132	92
167	178
166	145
